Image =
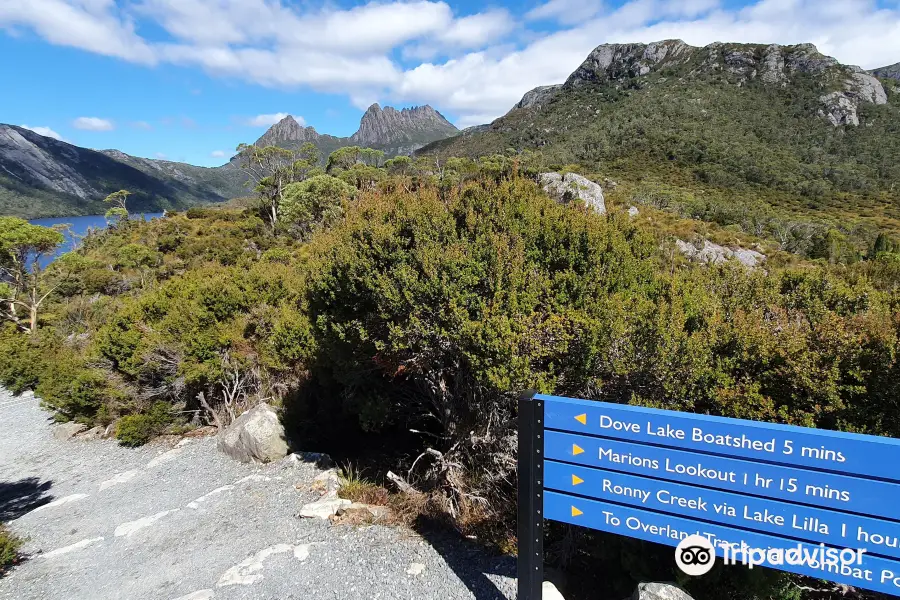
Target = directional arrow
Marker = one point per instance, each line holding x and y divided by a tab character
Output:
576	480
581	419
576	450
576	512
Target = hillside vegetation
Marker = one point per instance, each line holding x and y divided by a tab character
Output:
375	301
712	134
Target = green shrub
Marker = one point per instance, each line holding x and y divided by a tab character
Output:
9	548
138	429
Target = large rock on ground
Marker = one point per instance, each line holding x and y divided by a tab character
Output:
566	188
659	591
714	254
255	436
65	431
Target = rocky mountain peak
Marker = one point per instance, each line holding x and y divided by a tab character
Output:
388	126
615	64
287	132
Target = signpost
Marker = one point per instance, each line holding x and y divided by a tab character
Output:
660	476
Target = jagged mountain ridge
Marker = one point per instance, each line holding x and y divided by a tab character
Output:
45	177
394	131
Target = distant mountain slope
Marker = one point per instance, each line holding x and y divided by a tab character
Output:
43	177
394	131
781	124
891	72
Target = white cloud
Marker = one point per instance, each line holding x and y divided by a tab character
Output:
488	60
269	120
161	156
142	125
92	25
566	12
93	124
44	131
217	154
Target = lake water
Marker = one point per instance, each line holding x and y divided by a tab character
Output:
80	226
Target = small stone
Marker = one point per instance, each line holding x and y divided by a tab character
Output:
65	431
415	569
633	211
323	509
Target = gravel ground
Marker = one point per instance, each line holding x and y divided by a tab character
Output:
186	522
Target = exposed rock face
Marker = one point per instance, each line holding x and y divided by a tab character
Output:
538	96
890	72
566	188
255	436
714	254
773	65
288	132
408	127
659	591
617	61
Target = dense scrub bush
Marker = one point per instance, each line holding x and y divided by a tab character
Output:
138	429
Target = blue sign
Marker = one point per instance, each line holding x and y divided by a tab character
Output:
797	521
662	476
770	442
871	572
867	496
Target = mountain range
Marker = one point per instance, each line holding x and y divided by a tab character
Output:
45	177
785	125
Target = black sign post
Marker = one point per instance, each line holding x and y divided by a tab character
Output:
530	565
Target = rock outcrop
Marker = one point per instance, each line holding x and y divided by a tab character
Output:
537	97
773	65
255	436
572	186
714	254
408	128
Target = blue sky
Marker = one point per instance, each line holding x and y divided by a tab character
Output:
188	80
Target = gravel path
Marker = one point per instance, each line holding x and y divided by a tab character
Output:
188	523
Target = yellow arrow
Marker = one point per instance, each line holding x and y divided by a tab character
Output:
576	480
582	419
576	512
576	450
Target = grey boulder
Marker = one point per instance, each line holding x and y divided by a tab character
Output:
65	431
714	254
255	436
571	186
659	591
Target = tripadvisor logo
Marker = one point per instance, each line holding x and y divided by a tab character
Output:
695	555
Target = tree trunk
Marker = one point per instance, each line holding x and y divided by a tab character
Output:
33	310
